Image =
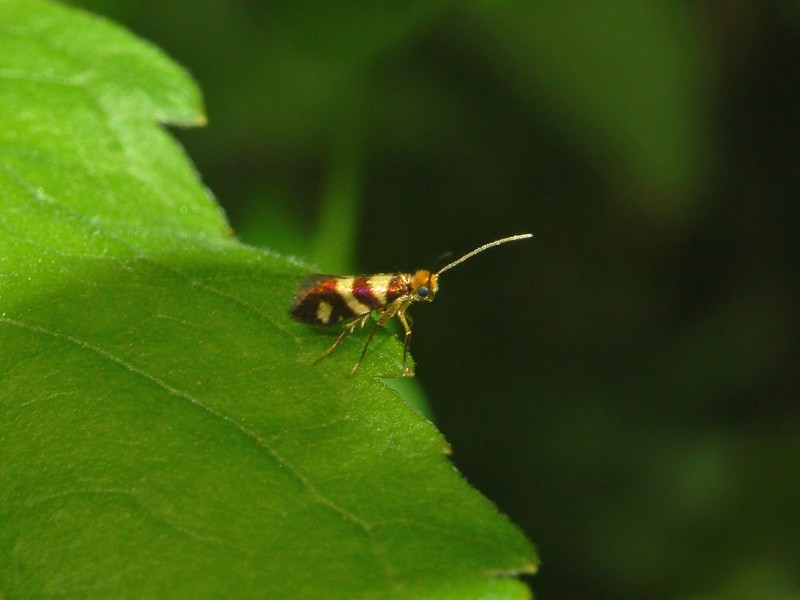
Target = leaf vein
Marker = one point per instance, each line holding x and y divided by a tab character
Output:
261	442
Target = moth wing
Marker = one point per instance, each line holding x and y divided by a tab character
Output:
319	300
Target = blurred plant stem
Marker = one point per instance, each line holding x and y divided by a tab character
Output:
340	207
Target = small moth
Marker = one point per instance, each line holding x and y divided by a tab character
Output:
328	299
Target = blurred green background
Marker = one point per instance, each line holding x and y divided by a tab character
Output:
625	385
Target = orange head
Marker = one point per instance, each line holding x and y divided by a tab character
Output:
424	285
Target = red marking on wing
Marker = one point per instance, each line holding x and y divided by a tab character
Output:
363	292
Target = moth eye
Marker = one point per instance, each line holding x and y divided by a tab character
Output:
423	291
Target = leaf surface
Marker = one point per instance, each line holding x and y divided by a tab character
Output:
162	432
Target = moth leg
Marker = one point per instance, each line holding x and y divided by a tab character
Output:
364	351
348	329
385	316
401	315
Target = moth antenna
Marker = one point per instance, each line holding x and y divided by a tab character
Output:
513	238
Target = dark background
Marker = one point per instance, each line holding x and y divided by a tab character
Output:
625	385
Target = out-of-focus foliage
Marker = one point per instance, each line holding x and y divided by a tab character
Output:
626	386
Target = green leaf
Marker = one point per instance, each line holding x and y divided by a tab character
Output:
162	432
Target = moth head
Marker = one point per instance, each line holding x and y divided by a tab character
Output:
424	285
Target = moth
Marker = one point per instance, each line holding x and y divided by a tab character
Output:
352	299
